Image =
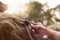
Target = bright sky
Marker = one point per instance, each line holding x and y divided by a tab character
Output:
13	4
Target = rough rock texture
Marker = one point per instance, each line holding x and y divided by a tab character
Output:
11	28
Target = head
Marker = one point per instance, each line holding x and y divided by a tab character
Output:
3	7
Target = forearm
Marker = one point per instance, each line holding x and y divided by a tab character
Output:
52	34
50	31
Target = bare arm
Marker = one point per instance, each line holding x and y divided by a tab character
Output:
51	33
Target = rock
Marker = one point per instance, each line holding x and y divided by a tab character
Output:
11	28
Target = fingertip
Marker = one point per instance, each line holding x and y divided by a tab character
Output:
32	25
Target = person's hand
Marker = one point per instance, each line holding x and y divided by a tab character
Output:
38	26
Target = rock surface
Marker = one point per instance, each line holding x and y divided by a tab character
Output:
11	28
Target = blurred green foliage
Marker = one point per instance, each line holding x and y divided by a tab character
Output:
38	14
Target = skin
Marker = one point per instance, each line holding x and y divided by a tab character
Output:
54	35
3	7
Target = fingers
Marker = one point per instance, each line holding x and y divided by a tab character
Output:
37	26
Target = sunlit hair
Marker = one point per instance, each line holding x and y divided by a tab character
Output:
3	7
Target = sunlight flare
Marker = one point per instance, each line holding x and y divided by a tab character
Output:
13	4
